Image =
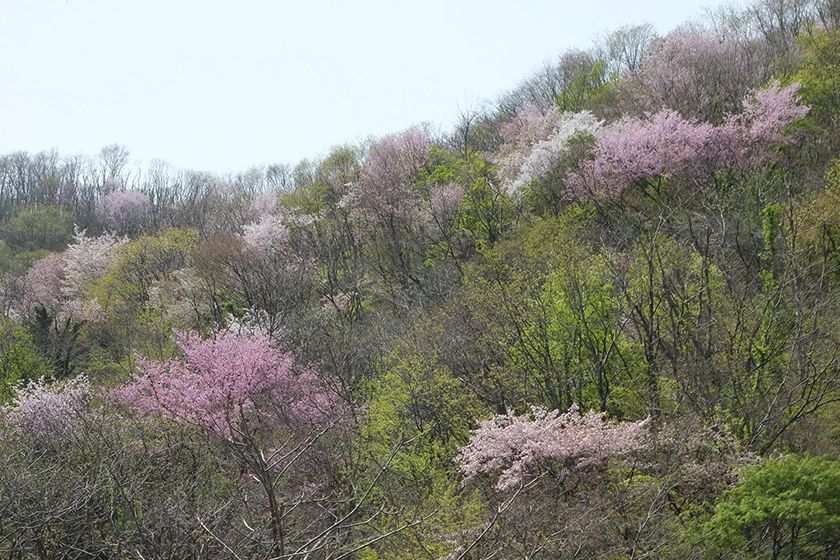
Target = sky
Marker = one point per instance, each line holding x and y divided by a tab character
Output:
223	85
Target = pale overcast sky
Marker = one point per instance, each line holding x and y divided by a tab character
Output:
220	86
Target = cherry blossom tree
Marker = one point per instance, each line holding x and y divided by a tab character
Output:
517	446
529	125
384	189
267	409
267	234
538	151
86	260
390	206
43	285
767	113
229	386
48	414
59	282
665	144
634	148
271	415
694	73
123	211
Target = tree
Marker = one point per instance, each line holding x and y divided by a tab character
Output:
49	415
665	146
693	73
39	227
19	362
820	83
86	261
229	386
43	285
783	508
123	211
385	197
535	154
624	49
520	447
240	389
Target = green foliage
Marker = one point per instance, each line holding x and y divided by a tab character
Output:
820	79
327	183
414	398
38	227
429	413
485	212
818	220
587	89
584	333
143	263
8	262
63	341
832	176
19	361
145	267
771	221
669	295
787	507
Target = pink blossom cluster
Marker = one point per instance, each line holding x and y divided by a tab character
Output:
665	144
385	186
229	386
769	111
695	73
49	414
537	160
87	260
530	125
267	234
122	211
444	201
60	282
516	446
44	284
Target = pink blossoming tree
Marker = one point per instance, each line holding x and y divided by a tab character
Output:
665	145
43	285
387	201
123	211
517	447
267	411
695	73
49	414
60	282
384	189
527	127
229	386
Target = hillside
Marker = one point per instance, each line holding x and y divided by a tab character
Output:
599	318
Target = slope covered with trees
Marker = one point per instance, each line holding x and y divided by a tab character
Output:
599	318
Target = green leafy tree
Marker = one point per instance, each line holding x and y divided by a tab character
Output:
39	227
423	407
19	360
784	508
820	79
145	268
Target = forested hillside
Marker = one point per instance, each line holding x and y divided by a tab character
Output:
600	318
